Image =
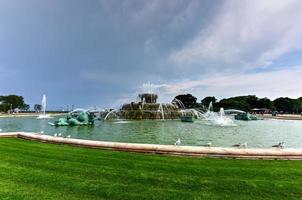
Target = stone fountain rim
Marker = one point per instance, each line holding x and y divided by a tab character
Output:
219	152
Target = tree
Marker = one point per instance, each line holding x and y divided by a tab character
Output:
244	103
252	100
265	103
11	102
207	100
37	107
188	100
26	107
285	104
4	107
298	105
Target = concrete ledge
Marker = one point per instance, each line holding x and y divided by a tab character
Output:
249	153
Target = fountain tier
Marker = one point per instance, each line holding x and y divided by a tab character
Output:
148	108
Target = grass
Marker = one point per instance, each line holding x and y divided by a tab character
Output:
33	170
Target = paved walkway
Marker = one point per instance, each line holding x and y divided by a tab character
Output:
282	117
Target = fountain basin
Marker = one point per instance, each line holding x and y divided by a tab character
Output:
258	133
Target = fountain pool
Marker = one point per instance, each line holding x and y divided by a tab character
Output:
258	134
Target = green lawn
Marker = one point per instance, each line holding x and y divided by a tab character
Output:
33	170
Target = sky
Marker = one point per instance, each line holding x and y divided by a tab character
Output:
102	53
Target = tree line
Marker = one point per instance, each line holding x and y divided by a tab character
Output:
245	103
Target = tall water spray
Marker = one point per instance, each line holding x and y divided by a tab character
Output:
43	104
148	88
221	112
210	108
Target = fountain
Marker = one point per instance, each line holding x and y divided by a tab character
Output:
217	118
148	108
145	108
43	115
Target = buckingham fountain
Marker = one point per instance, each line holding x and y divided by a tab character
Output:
148	108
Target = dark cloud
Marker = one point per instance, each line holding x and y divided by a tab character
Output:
97	52
89	52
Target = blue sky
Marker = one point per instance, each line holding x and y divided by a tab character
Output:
100	53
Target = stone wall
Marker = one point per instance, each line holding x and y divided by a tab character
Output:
140	111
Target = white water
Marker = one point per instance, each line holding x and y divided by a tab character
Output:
210	108
43	103
122	122
112	111
218	118
148	88
161	110
182	106
211	117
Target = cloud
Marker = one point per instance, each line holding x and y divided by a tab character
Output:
97	52
145	13
244	35
272	84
